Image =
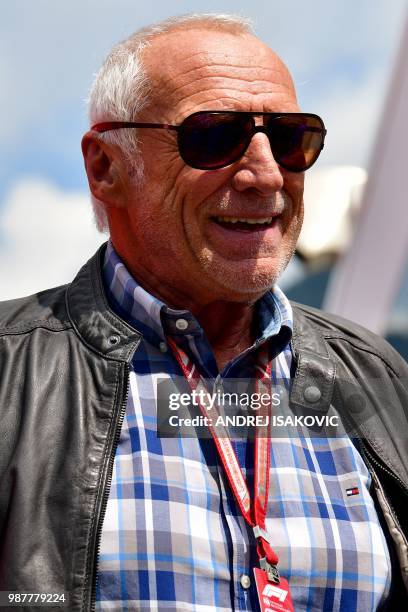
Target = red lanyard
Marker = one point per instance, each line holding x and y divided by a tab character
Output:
255	515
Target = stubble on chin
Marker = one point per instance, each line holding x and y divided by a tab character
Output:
240	280
255	276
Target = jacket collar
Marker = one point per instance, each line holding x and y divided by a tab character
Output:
155	320
92	318
107	334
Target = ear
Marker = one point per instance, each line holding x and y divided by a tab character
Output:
107	176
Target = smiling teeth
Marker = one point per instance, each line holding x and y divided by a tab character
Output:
264	221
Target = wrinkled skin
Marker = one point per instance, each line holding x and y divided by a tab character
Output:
164	229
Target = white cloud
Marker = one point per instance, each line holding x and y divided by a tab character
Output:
340	54
47	235
351	115
50	54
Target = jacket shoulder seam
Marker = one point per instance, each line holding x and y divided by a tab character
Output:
333	334
28	326
361	346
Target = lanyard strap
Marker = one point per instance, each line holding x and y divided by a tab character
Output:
255	515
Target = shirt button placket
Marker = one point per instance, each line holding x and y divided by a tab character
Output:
245	581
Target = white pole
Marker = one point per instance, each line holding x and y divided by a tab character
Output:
364	283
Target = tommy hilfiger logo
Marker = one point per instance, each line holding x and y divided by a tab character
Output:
352	491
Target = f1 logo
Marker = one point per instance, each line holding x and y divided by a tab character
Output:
273	591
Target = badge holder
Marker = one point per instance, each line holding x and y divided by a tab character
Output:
272	589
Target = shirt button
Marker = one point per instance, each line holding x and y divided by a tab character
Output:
181	324
245	581
163	347
312	394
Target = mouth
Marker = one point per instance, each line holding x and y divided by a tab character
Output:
245	224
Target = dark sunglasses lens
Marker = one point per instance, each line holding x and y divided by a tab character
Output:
213	140
296	140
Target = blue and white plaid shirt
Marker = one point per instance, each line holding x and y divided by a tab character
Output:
173	537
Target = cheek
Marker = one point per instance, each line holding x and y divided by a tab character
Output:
294	186
295	221
198	193
196	186
301	213
298	211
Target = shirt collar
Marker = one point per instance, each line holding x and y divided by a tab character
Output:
155	320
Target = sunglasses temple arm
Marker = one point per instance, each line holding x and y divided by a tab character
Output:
107	126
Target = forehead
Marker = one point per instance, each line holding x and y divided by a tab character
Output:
196	69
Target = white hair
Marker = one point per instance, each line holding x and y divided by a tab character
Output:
121	87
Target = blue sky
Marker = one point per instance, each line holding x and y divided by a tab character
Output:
336	50
340	54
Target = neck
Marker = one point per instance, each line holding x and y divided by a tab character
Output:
226	323
228	327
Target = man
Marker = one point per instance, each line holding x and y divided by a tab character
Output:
204	209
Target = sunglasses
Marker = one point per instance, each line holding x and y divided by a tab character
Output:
209	140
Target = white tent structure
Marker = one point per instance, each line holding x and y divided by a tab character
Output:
332	202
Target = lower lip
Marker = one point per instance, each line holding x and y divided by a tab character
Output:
239	238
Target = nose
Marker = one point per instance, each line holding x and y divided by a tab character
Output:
257	169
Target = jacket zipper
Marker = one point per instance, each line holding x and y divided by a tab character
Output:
372	459
108	485
105	498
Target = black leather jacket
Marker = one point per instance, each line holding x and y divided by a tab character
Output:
64	364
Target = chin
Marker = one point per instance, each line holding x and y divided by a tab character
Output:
245	282
245	279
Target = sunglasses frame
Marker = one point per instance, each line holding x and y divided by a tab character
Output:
107	126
